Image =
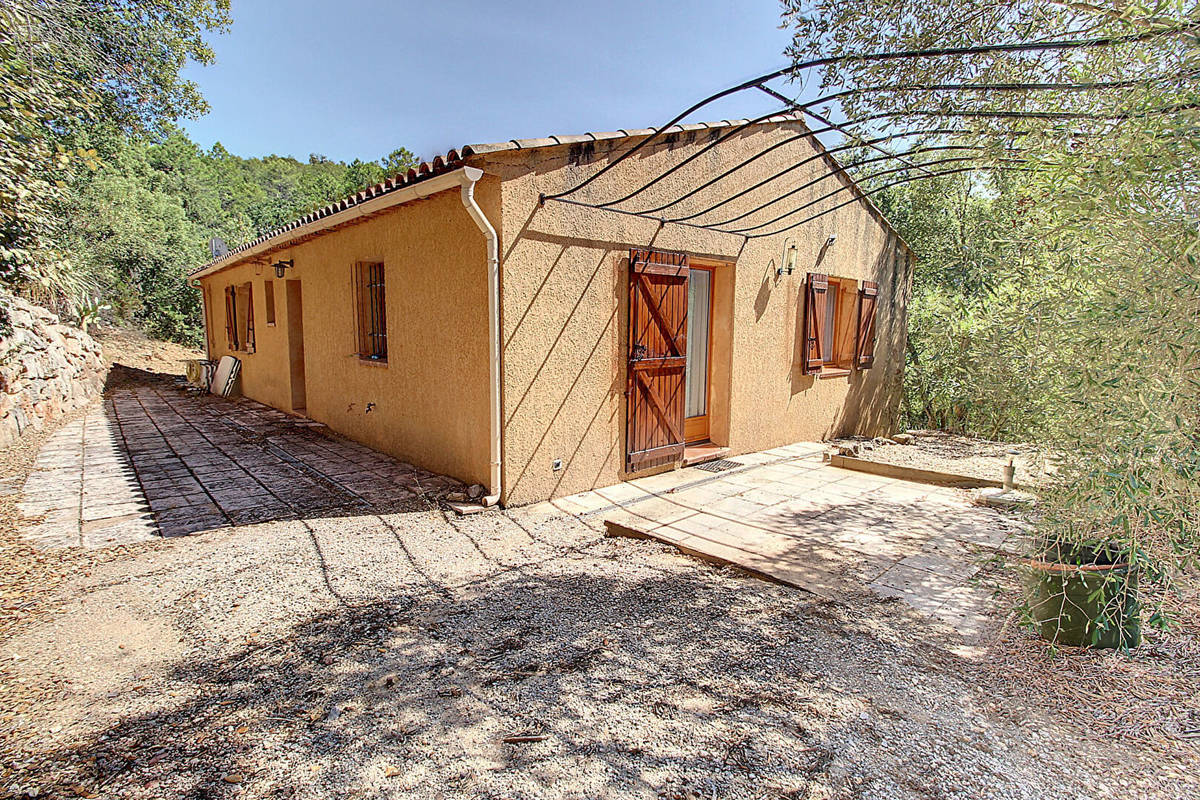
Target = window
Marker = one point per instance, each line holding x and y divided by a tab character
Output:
838	325
269	297
371	307
828	335
239	317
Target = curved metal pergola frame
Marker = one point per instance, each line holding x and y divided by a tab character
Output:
855	139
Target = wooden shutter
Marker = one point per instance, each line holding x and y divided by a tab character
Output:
864	352
816	290
249	317
658	301
231	337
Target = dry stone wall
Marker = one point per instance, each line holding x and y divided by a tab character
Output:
47	368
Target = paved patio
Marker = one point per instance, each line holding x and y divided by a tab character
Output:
788	515
155	460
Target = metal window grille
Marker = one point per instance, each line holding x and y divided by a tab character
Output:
371	300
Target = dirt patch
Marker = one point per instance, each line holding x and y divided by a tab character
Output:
1150	696
960	455
415	655
133	348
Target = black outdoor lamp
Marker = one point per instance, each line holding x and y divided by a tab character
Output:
280	266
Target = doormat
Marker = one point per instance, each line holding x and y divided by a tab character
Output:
718	466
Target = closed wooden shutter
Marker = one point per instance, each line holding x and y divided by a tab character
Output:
864	353
655	385
816	290
249	318
231	338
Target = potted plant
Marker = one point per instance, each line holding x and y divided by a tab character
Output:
1084	594
1114	534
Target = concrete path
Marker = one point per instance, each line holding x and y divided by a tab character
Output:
156	460
787	515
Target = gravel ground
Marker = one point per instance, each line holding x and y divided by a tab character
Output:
392	655
961	455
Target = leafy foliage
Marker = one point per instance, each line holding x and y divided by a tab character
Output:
143	219
69	64
1085	324
99	191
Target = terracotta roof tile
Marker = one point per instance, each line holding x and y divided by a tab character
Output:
455	158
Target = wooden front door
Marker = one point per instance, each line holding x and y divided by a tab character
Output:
655	380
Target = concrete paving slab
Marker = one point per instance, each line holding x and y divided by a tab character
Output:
152	460
831	531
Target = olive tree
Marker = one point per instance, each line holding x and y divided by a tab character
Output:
1098	146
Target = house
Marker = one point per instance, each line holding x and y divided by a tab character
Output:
553	315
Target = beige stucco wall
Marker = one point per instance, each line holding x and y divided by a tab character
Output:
429	404
565	304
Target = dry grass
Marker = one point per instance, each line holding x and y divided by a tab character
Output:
133	348
1149	696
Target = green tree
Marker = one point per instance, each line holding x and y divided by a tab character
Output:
1103	316
73	63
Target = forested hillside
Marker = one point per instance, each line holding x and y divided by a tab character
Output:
145	215
104	201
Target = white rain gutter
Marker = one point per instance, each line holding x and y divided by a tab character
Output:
469	175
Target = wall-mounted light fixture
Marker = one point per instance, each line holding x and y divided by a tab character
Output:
280	266
790	254
829	242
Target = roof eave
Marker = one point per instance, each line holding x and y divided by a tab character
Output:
405	194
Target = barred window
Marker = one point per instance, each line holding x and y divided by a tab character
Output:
370	299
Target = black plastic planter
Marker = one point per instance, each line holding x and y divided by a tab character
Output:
1085	605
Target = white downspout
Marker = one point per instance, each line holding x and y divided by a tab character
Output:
469	176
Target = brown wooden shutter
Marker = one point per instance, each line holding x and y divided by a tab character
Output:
231	338
816	290
249	317
655	379
864	354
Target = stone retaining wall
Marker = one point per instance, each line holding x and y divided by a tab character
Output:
47	368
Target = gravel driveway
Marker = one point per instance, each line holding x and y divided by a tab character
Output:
391	655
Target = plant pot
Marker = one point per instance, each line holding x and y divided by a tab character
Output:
1085	604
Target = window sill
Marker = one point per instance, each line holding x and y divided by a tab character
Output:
372	362
835	372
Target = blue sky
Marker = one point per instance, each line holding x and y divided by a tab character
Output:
359	78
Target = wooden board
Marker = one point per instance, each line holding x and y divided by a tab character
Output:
912	473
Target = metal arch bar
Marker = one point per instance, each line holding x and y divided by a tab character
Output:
811	133
830	125
850	187
842	168
724	137
842	130
712	229
990	87
1014	47
885	115
887	186
820	154
638	214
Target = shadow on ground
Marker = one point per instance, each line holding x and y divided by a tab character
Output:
205	462
657	685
